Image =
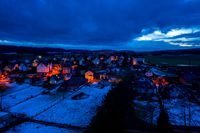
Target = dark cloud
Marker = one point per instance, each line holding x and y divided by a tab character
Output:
92	21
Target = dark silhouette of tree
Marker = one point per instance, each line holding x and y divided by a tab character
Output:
125	61
117	114
163	122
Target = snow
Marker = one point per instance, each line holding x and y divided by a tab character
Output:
4	117
13	87
77	112
147	111
36	105
178	111
26	92
2	114
29	127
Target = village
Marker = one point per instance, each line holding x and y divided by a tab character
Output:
62	92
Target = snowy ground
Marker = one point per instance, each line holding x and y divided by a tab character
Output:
21	93
29	127
147	111
3	118
178	111
76	112
13	87
59	108
36	105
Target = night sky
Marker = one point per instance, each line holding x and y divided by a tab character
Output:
101	24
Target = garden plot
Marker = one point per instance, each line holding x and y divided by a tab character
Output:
20	96
77	112
36	105
30	127
14	87
181	112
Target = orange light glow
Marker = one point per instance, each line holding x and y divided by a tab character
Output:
89	75
4	79
160	81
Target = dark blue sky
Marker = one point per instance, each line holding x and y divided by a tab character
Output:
101	24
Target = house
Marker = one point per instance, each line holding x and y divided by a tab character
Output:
89	58
160	73
149	74
102	74
56	69
82	62
66	70
35	63
16	67
144	86
108	61
74	67
7	68
57	79
121	59
113	58
22	67
89	75
42	68
114	80
134	61
74	82
114	68
140	60
67	77
4	79
96	61
72	58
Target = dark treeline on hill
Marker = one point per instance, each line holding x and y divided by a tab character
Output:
36	50
19	49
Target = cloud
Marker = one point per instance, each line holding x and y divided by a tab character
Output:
173	36
159	35
95	22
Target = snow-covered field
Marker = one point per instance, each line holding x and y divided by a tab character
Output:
35	105
77	112
182	112
147	111
13	87
29	127
24	93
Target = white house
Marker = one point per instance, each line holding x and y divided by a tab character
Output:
41	68
82	62
7	69
96	61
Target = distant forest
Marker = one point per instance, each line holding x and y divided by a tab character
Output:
20	49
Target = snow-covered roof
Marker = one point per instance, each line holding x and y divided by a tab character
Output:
161	73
